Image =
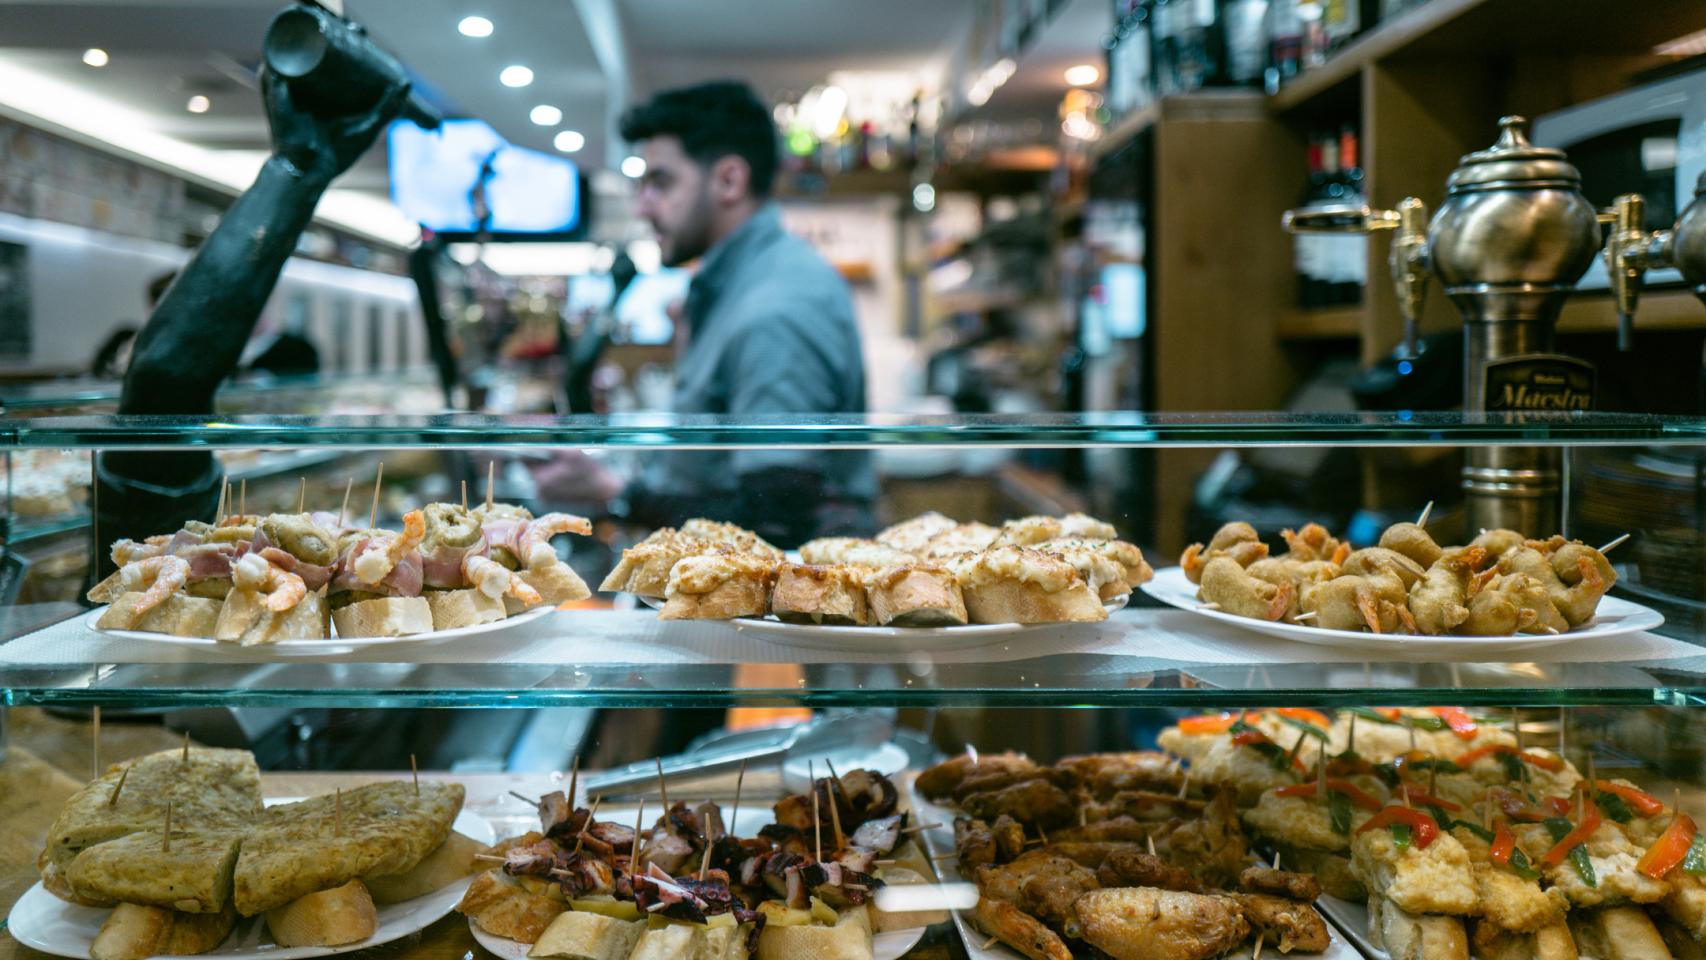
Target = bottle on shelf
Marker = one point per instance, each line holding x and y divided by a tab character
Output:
1163	43
1244	29
1350	257
1285	43
1193	32
1306	247
1314	32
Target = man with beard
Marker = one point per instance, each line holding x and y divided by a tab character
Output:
769	323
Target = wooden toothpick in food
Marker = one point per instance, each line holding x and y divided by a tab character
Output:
219	511
734	811
1563	727
663	792
580	838
1422	520
834	805
989	943
166	834
1351	735
186	757
524	798
817	820
710	841
1516	727
1305	615
574	778
302	495
1256	954
639	824
415	773
243	497
1041	835
1184	785
1412	728
1276	859
1208	606
464	494
338	812
122	774
95	746
1295	747
343	511
1149	838
378	478
491	478
1614	544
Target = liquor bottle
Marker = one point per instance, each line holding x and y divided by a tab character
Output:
1162	42
1351	260
1285	43
1314	33
1244	27
1192	31
1306	246
1330	255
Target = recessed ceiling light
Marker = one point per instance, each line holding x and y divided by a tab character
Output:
515	75
546	115
1083	75
474	27
198	104
95	57
569	141
634	167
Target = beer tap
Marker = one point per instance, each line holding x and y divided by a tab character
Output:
1631	251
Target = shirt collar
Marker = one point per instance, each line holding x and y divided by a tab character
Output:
725	257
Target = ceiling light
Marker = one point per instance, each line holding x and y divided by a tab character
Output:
634	167
546	115
1083	75
515	75
474	27
95	57
569	141
924	198
198	104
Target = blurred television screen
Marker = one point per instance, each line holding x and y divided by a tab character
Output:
441	179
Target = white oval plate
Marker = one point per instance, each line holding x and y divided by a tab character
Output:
43	921
888	639
1616	617
330	646
884	946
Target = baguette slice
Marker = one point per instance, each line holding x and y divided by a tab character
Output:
501	906
136	932
819	594
1023	585
674	942
581	935
644	567
245	620
462	608
719	587
915	595
849	939
384	617
328	918
557	583
453	860
178	615
912	535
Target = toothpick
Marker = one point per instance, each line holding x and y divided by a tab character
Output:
1554	631
122	774
302	495
1613	544
1306	615
95	746
1321	777
1184	785
1150	839
243	498
492	857
639	824
1043	836
343	511
166	834
415	772
1516	727
491	477
817	824
464	495
1563	726
224	491
663	792
1422	520
945	856
1256	954
1208	606
338	812
834	805
989	943
574	779
1276	859
734	811
186	757
1295	747
1083	816
710	841
581	837
378	478
524	799
919	828
1351	736
1404	796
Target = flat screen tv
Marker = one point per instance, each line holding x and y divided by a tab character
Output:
464	181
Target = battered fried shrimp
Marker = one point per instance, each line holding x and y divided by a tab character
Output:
1440	600
1313	542
1228	584
1512	603
1412	541
1497	541
1282	572
1373	560
1587	576
1237	540
1375	603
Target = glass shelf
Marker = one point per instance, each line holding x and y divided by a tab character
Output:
587	658
75	393
657	430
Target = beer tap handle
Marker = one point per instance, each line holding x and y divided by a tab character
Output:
1409	264
1629	253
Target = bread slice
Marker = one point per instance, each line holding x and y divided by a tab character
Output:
453	860
644	567
384	617
734	535
965	538
849	939
1023	585
245	620
832	595
135	932
179	615
853	552
327	918
500	905
674	942
582	935
1105	576
911	535
915	595
462	608
557	583
719	587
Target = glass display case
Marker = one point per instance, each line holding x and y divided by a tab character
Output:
1247	687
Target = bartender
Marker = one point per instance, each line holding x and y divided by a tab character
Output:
769	323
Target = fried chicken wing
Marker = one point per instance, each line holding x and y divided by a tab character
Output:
1290	925
1144	923
974	843
1279	883
1040	883
1102	774
1134	867
938	782
1020	930
1031	802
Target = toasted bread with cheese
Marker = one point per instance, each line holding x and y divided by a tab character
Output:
915	595
965	538
384	617
719	587
644	567
452	609
1023	585
911	536
852	552
1105	576
1128	556
179	615
735	536
806	593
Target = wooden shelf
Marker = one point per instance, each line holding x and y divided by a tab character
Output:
1203	105
1662	310
1321	323
1377	44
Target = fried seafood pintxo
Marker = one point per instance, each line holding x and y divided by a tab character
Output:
1498	585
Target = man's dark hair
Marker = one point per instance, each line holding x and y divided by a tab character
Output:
712	120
